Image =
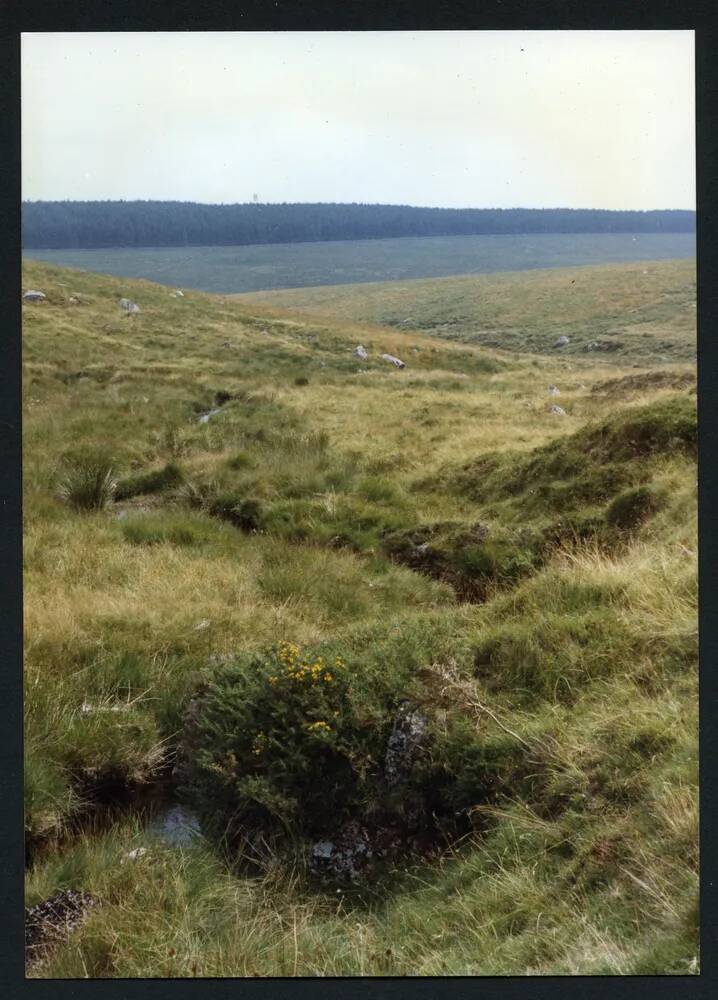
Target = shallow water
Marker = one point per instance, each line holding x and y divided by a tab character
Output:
175	826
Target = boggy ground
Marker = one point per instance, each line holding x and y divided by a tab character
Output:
436	535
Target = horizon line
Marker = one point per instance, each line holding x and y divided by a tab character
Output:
371	204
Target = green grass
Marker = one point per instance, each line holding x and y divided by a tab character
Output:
527	581
640	311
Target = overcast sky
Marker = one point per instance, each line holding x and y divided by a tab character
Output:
593	119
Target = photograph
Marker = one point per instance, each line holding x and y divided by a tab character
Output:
359	504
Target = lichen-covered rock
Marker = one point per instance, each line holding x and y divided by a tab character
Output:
345	856
397	362
360	352
54	919
407	736
557	410
561	341
34	296
553	391
129	306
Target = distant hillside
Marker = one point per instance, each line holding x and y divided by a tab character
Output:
89	224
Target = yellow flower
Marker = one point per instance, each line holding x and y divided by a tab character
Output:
319	726
328	677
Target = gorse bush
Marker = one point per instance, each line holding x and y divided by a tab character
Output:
89	484
284	740
295	743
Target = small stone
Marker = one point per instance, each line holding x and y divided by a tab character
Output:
138	852
129	306
34	296
394	361
557	410
360	352
553	391
561	342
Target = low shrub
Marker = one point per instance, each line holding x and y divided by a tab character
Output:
293	742
285	741
243	513
149	482
301	380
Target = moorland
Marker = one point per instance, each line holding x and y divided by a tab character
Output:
253	560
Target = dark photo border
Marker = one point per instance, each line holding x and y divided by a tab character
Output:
17	16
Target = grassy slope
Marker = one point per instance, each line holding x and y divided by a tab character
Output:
589	661
641	311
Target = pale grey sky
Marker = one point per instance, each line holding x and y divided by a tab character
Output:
589	119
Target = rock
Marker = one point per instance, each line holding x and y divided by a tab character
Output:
561	342
54	918
345	856
34	296
360	352
138	852
395	361
407	737
558	410
87	708
179	294
553	391
128	306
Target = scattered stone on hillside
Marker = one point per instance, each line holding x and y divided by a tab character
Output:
557	410
553	391
360	352
52	920
138	852
129	306
179	293
407	736
343	857
73	301
394	361
32	295
561	341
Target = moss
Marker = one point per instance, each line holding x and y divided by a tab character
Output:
633	507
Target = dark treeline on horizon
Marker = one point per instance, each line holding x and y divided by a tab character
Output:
94	224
